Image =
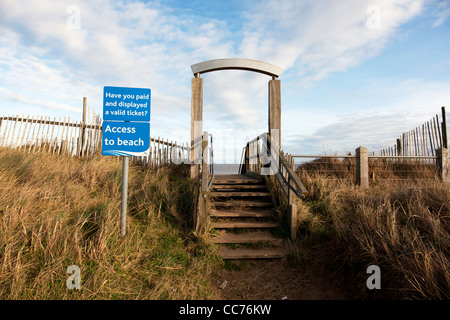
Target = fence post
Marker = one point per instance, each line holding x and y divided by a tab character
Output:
362	167
83	128
444	129
399	148
443	164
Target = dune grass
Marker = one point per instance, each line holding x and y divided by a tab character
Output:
57	211
401	225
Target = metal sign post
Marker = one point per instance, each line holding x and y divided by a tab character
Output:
123	209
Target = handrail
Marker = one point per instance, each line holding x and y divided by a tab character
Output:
211	160
282	167
207	173
289	171
242	167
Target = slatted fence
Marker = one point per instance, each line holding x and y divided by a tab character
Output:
78	138
423	140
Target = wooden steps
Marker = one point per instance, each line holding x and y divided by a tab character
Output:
242	214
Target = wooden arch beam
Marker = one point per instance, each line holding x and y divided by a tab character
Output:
236	64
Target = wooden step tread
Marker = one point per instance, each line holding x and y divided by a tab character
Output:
237	186
235	176
237	182
235	179
267	253
241	213
249	237
244	224
242	204
241	194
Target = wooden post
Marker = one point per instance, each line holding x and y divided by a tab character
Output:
4	134
1	121
439	131
443	164
62	136
28	133
14	130
247	157
203	210
444	129
57	134
362	167
100	134
153	152
69	138
43	129
196	124
424	139
437	144
167	152
204	162
7	135
83	127
32	136
24	131
275	110
292	212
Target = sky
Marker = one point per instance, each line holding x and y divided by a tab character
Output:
354	72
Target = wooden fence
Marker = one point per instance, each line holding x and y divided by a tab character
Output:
418	154
424	140
78	138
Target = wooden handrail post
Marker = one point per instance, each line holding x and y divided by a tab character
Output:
247	157
257	156
203	207
204	162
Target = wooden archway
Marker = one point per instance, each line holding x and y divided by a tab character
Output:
274	121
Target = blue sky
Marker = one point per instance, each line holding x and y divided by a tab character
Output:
355	72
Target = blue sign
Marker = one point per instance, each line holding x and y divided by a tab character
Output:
125	138
126	104
126	125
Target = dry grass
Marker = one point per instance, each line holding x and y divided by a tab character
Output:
57	211
403	226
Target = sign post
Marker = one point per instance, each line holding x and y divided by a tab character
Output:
123	208
125	131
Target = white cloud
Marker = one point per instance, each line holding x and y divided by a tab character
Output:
319	37
443	12
150	45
